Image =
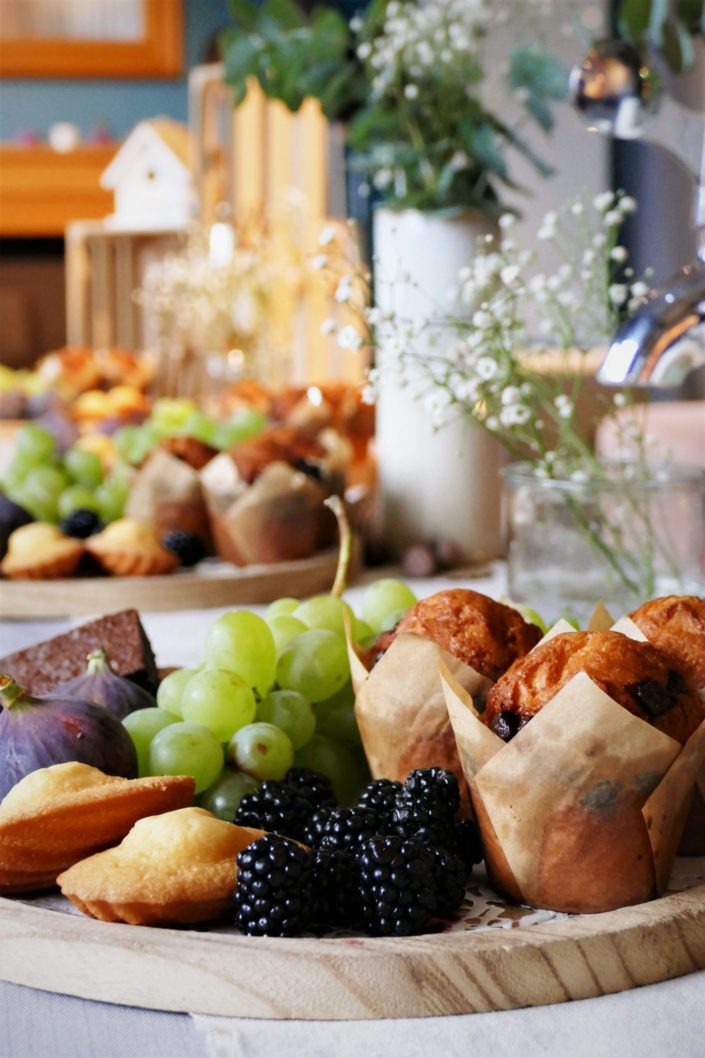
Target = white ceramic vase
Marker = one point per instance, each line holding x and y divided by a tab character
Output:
433	482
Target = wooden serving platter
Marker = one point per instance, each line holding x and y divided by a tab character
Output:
500	958
212	583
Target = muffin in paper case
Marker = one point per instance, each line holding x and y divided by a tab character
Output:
583	810
401	712
693	839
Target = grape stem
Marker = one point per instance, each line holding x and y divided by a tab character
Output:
336	505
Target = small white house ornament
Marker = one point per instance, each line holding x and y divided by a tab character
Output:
151	177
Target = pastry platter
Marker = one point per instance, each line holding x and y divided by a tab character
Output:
212	583
496	957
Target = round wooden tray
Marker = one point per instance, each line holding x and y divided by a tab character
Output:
212	583
475	967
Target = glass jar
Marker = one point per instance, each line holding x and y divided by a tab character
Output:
619	534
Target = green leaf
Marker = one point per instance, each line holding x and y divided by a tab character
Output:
245	13
483	146
677	45
635	17
286	14
241	60
522	146
692	13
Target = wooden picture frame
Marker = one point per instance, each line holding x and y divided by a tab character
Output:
159	53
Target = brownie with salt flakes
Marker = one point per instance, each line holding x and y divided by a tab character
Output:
42	667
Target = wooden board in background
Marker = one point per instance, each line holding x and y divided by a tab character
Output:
212	584
355	977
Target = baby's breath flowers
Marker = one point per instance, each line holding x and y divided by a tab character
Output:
518	353
430	117
209	303
513	350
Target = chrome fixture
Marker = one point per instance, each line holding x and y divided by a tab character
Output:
615	92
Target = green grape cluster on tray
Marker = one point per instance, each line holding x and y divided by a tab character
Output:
270	692
50	486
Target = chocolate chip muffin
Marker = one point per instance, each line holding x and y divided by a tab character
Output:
675	624
635	674
484	633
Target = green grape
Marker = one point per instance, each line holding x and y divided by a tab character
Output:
220	700
336	716
346	768
324	611
261	750
315	664
186	749
199	425
291	712
284	629
15	474
361	632
74	498
83	467
243	642
224	796
171	689
382	598
35	443
281	608
41	490
110	498
125	440
392	620
134	443
246	423
142	725
535	618
170	413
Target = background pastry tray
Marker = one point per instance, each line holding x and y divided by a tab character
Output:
212	583
496	957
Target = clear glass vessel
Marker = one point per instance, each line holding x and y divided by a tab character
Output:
620	533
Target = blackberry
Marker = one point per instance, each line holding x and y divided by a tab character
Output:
315	826
439	835
81	523
429	798
347	828
398	886
316	788
274	807
380	795
274	888
467	842
188	547
450	875
336	891
434	785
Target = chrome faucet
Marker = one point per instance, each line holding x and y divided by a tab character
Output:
615	92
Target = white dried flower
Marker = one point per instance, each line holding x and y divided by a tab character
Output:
327	236
603	201
349	338
319	261
618	293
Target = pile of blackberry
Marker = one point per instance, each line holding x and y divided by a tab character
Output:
389	865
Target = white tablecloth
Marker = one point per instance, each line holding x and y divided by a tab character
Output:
652	1022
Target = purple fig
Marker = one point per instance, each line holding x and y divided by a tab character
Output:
38	732
101	685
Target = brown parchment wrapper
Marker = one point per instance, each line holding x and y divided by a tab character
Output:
401	712
166	492
583	810
278	518
693	840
